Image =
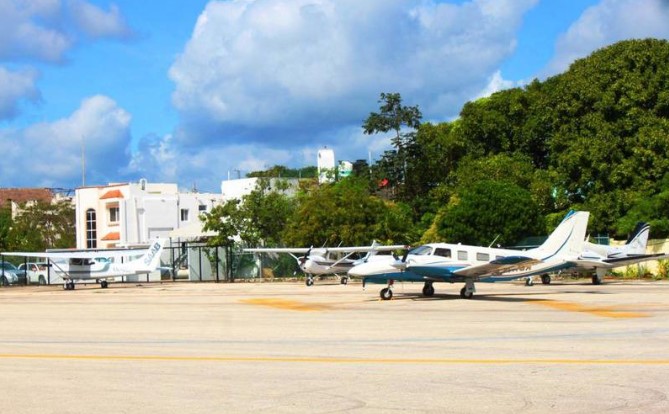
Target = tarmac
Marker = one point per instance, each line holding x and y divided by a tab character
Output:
568	347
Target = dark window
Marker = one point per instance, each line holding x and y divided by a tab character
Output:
91	230
442	252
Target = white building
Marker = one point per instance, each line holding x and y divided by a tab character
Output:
326	166
236	189
134	213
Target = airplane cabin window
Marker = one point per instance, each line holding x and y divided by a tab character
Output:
421	251
462	255
442	252
482	257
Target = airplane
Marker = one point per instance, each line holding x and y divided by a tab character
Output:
602	258
97	265
328	260
443	262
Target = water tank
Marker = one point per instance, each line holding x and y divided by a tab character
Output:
326	166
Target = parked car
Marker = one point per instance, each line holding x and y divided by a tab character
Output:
36	272
11	275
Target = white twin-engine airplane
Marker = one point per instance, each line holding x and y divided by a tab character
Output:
601	258
98	265
329	261
442	262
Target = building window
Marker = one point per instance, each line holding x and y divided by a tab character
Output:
91	230
114	214
184	214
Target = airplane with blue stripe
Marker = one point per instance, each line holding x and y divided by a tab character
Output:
454	263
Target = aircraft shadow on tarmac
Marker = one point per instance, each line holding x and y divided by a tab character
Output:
491	297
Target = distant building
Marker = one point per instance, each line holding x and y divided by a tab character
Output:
18	198
236	189
134	213
326	166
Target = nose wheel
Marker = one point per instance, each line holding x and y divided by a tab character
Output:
309	281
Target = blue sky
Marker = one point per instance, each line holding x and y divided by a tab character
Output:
186	91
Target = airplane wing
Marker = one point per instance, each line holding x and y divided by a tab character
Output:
498	266
303	250
296	250
77	255
618	262
364	249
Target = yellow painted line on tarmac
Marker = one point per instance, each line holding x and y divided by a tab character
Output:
286	304
343	360
603	311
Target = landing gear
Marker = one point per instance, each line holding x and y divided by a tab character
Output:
387	293
467	292
69	285
309	281
598	277
428	289
344	280
546	279
529	282
104	284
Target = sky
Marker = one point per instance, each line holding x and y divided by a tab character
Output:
193	92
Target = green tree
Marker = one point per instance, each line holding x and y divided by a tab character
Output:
490	210
42	225
395	117
259	217
346	213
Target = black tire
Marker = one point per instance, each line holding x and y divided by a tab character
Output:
309	281
529	282
546	279
386	294
41	280
428	290
104	284
344	281
464	294
4	281
596	280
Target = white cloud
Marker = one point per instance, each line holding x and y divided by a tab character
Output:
97	23
15	87
49	153
305	67
606	23
45	30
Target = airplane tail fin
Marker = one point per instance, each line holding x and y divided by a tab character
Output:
150	260
568	238
638	240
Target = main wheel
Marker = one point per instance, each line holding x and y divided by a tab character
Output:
344	281
546	279
42	280
596	280
309	281
529	281
104	284
428	290
464	294
386	294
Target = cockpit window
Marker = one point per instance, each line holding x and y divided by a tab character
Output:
421	251
442	252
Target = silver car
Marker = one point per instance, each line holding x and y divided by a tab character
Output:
11	275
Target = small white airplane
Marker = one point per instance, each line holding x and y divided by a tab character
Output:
98	265
443	262
602	258
329	261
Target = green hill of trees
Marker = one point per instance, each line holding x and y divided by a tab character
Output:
593	138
